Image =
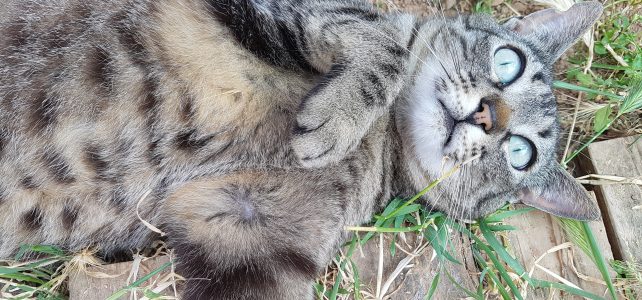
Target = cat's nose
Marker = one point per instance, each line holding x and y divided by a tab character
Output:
485	116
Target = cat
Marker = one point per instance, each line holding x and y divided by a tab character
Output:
251	132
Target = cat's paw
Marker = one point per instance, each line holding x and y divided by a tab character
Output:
328	128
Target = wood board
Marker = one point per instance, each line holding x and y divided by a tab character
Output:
92	284
620	203
537	234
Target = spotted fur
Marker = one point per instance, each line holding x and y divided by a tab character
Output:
258	129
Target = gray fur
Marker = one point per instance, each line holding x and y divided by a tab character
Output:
260	128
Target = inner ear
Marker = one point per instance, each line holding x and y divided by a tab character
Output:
562	196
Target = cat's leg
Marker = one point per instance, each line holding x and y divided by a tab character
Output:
361	53
252	236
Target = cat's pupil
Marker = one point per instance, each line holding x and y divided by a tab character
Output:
521	152
507	65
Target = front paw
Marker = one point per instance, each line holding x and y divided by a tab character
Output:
327	129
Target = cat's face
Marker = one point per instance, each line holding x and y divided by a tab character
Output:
482	99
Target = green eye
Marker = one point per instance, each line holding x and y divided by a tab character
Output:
507	65
520	152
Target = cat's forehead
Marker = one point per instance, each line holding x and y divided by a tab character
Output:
484	27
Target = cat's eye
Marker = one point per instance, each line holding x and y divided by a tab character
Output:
520	152
508	65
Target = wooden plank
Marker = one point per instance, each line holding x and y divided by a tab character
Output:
620	157
415	281
537	233
579	268
89	284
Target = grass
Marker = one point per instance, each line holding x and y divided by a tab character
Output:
46	277
600	95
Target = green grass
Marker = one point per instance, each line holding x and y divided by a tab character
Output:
495	262
41	278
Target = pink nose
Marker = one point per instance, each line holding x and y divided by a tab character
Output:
484	117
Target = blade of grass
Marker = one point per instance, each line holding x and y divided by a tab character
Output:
573	87
492	275
342	266
138	282
500	250
501	228
24	278
437	242
547	284
433	287
467	291
633	100
46	249
498	217
500	267
599	259
576	234
357	282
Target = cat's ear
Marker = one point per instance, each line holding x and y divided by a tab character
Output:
562	196
553	31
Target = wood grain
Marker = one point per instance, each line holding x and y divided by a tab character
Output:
620	157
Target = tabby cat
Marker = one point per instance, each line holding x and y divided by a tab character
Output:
252	131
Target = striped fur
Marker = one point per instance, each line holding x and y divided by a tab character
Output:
261	128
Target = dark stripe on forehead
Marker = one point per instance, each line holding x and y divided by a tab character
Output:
545	133
472	79
505	34
547	100
539	76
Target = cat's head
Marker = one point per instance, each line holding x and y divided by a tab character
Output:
482	97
